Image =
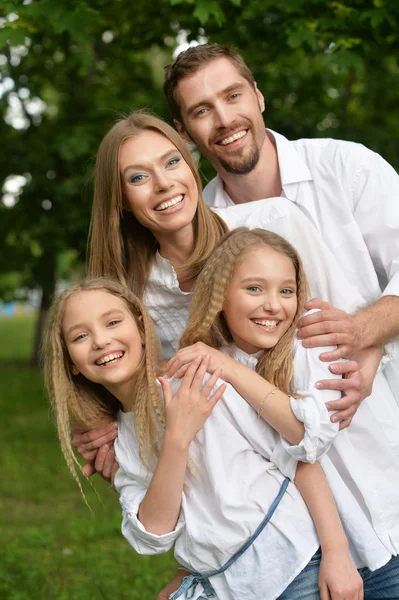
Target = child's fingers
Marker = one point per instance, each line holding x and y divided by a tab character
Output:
190	374
167	391
210	384
200	374
182	371
214	399
324	593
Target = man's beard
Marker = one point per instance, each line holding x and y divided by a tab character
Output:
243	165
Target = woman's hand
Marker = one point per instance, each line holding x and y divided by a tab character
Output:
187	410
97	448
178	365
338	577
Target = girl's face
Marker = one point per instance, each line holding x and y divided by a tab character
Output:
102	338
158	184
261	300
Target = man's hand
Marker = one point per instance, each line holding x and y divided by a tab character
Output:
351	386
97	448
329	327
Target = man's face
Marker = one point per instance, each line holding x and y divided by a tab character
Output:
222	114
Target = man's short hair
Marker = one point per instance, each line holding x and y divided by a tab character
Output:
190	61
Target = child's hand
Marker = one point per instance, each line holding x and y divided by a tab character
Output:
187	411
338	577
178	365
172	586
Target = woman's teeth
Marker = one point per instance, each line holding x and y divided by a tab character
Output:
169	203
110	357
233	138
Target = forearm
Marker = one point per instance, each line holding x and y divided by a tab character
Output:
275	409
160	508
312	483
378	323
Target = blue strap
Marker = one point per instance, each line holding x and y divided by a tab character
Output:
190	582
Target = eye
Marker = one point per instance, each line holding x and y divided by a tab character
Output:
235	96
136	178
253	288
200	112
113	323
287	292
80	337
173	161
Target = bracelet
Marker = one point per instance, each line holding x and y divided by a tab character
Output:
273	393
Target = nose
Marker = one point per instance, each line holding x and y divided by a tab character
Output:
271	302
162	181
100	340
223	116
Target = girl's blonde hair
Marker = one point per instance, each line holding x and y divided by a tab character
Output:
119	246
206	322
78	401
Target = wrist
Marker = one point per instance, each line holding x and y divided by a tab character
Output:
334	546
175	442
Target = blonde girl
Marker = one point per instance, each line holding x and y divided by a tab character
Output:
101	362
247	302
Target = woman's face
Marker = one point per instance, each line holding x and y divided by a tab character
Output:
102	338
159	187
261	300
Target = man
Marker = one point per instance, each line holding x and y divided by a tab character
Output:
348	192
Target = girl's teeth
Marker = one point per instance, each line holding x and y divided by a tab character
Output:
108	358
233	138
170	203
267	323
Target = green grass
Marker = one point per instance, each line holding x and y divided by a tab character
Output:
52	547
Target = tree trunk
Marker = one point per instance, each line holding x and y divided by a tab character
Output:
47	279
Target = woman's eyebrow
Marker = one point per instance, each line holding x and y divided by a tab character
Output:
158	159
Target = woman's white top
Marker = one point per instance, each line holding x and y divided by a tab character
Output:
169	306
236	478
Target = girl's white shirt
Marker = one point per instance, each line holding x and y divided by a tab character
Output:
168	305
237	458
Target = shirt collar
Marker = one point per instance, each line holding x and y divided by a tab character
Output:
293	169
250	360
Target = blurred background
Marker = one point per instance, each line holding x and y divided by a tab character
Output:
68	69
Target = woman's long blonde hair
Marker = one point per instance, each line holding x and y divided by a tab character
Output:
119	246
206	322
78	401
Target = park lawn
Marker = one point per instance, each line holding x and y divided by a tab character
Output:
53	547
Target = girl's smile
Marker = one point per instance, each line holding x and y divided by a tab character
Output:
102	339
261	300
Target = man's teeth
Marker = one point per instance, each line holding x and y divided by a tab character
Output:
233	138
106	359
170	203
267	323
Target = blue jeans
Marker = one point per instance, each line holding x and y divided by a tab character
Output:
382	584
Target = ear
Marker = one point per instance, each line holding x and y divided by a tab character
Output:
74	369
261	100
182	131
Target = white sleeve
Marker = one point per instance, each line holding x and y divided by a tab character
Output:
376	212
310	409
132	481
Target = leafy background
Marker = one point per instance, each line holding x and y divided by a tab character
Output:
68	69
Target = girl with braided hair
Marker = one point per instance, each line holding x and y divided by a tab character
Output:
246	305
